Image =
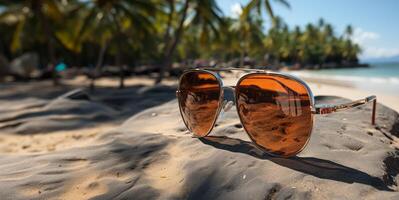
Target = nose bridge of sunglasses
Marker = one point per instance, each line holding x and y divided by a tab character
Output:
228	98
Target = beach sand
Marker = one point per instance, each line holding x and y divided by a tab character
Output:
132	144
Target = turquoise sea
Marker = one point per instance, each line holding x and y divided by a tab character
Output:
379	77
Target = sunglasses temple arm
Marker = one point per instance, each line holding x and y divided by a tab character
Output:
326	109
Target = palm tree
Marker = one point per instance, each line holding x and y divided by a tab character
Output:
249	30
30	16
294	43
348	31
228	43
205	13
155	32
172	41
259	4
328	42
321	23
207	18
112	23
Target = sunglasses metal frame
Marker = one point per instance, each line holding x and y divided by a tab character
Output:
315	109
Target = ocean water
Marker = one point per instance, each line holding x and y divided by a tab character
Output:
379	77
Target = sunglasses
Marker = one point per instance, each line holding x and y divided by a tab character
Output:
275	109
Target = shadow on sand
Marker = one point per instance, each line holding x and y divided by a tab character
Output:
317	167
40	108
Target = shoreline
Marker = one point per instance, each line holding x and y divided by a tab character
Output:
319	86
348	90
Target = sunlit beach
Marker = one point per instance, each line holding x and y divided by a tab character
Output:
189	99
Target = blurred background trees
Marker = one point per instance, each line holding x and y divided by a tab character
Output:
156	36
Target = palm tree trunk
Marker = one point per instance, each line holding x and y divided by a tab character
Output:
52	62
244	50
37	6
99	64
118	41
167	59
121	72
241	57
166	37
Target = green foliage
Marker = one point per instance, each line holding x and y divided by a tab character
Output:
141	31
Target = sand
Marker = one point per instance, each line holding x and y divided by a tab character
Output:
132	144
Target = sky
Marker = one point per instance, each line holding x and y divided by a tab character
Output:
375	22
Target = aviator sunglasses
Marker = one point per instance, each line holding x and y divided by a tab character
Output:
275	109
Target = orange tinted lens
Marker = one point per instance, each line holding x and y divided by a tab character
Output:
275	111
199	94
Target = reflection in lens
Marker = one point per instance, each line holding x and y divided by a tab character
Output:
199	94
275	111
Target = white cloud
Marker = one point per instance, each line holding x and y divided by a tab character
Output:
236	10
369	42
361	36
